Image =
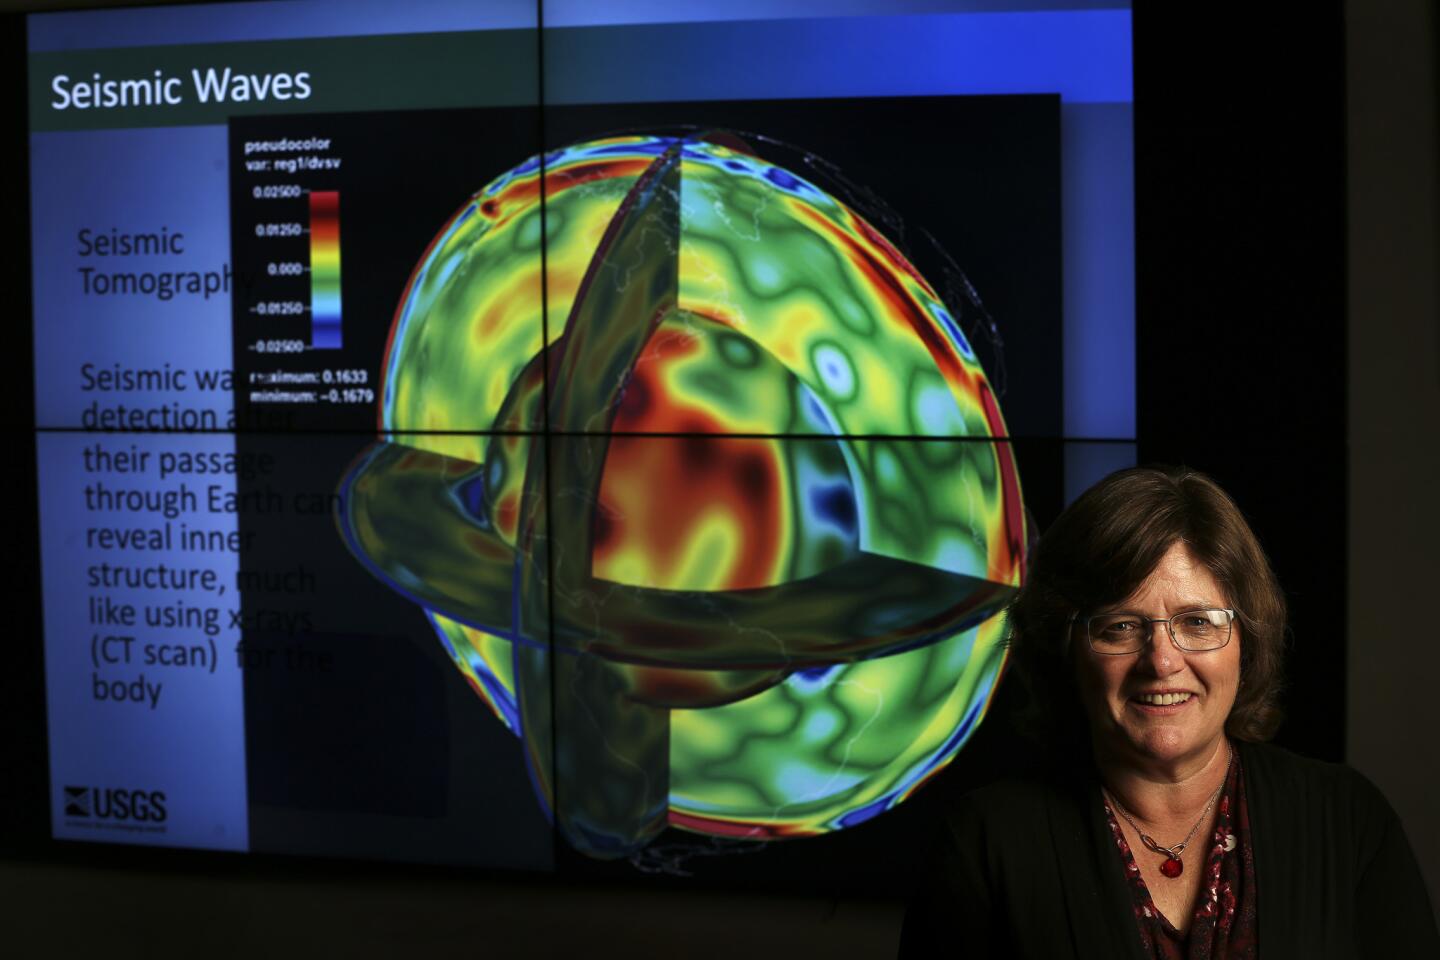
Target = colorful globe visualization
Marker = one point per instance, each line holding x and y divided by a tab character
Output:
696	478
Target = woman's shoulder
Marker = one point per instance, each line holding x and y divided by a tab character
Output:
1011	812
1283	777
1010	798
1299	801
994	879
1326	835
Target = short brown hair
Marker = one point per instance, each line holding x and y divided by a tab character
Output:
1099	551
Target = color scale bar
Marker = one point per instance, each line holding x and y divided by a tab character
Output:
324	270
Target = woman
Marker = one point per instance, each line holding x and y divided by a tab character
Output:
1149	634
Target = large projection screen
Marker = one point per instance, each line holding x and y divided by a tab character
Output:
535	437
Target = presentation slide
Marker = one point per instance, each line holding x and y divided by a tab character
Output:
454	448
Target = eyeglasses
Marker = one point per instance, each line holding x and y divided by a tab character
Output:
1193	631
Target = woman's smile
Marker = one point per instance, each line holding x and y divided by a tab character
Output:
1162	703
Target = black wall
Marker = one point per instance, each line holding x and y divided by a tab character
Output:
1240	240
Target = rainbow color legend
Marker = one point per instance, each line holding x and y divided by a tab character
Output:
325	329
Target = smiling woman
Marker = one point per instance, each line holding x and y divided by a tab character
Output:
1150	635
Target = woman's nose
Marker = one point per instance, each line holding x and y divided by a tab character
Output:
1160	655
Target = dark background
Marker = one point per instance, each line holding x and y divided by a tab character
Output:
1240	266
1241	233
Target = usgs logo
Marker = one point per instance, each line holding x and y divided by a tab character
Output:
109	803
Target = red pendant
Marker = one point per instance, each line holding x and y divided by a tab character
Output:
1172	868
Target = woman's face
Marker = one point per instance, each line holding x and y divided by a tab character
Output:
1119	692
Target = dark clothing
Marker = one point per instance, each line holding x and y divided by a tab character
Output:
1028	869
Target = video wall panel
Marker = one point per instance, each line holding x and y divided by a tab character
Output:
452	449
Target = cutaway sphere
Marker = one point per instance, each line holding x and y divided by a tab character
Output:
808	398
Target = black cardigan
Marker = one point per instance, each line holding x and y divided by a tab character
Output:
1029	869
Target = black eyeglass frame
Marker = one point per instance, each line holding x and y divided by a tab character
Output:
1169	628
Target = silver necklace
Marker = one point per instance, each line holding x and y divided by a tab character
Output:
1172	867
